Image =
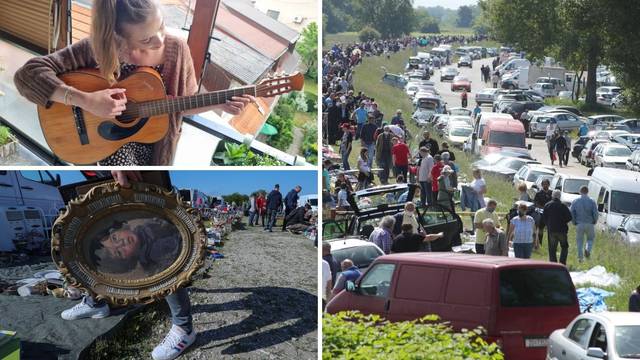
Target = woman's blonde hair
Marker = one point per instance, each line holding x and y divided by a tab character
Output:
107	33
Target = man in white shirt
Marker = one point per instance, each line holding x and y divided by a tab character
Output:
424	175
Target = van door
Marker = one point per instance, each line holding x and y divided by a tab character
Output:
38	190
435	219
419	292
372	296
603	206
9	194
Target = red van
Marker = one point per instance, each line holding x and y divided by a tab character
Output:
500	134
519	302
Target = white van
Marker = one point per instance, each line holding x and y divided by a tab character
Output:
311	199
617	193
513	64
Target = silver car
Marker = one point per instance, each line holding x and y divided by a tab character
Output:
605	335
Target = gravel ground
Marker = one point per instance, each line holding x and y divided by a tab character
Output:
259	302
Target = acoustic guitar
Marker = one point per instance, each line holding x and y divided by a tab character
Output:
79	137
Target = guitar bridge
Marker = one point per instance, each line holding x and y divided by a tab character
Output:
81	128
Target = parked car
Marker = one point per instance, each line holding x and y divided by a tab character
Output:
395	80
529	173
502	134
617	194
629	229
633	162
569	185
493	158
361	252
632	141
544	89
457	134
611	155
537	185
516	108
608	92
486	96
578	145
448	73
465	61
586	157
460	83
631	125
506	167
508	293
604	335
602	121
618	101
460	111
571	109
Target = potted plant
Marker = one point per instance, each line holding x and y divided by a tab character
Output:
8	142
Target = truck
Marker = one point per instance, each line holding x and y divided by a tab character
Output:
551	72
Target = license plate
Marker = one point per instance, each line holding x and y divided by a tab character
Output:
536	343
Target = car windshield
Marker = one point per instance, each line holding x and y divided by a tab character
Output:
362	256
512	164
503	138
633	225
391	197
313	202
623	202
533	175
572	186
618	151
461	131
536	287
627	344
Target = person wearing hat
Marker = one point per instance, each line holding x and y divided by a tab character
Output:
345	145
522	233
445	190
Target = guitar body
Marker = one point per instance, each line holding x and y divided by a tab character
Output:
77	136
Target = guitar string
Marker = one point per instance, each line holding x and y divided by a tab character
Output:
142	108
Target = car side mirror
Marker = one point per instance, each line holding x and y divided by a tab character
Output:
529	147
351	286
597	353
621	229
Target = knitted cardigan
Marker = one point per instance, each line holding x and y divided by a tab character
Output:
37	80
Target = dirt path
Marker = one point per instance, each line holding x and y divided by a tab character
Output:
258	302
296	144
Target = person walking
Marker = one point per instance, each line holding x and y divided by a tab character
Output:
556	216
261	204
345	146
445	189
274	203
383	154
368	139
567	139
561	147
429	143
252	208
400	154
584	213
496	240
383	234
523	195
364	171
290	204
542	197
479	186
495	78
425	165
334	267
360	116
463	98
522	235
479	217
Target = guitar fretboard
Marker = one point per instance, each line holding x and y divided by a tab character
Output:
182	103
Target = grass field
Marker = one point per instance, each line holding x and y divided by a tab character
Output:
311	85
615	256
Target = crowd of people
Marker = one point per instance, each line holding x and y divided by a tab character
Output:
264	208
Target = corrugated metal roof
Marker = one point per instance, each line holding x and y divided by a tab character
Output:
246	9
238	59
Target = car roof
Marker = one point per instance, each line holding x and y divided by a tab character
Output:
540	167
505	124
612	144
572	177
622	179
466	260
618	318
339	244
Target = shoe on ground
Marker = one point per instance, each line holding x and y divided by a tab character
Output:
83	310
586	253
176	341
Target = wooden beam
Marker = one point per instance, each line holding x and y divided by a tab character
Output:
204	19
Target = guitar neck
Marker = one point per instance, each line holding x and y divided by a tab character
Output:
183	103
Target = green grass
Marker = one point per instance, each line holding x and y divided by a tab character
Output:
339	38
311	86
302	118
609	252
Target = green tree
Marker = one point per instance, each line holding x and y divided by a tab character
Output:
465	17
235	198
424	22
391	18
368	33
308	49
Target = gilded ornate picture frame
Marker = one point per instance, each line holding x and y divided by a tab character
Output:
128	245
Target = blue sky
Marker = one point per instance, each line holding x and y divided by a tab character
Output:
226	182
450	4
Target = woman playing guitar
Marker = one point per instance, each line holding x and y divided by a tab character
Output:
124	34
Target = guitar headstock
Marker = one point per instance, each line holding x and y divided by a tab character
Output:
280	84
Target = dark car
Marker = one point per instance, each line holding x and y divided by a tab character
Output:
516	108
371	205
578	146
630	125
571	109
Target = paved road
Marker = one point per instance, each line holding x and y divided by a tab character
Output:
539	148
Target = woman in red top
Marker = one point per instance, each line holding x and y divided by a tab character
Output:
261	205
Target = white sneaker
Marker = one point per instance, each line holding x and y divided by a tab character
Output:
176	341
83	310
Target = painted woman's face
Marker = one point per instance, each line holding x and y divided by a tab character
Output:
121	244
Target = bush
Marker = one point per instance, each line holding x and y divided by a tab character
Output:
368	33
351	335
241	155
312	101
4	135
282	140
310	143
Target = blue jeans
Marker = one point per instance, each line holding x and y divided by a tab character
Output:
345	160
253	215
385	164
523	250
583	230
371	153
178	302
271	218
359	130
425	192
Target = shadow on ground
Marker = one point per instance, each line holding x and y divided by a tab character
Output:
269	306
